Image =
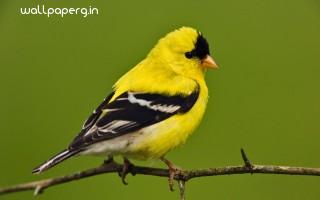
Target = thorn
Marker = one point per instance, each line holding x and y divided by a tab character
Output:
182	188
245	159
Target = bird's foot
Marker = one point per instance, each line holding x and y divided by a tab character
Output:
126	168
110	163
173	171
109	160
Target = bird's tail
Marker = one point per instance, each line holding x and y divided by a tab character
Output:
63	155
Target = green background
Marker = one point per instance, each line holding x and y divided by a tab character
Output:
265	97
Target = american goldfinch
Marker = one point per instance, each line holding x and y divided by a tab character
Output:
153	108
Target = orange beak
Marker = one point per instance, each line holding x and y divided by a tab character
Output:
208	62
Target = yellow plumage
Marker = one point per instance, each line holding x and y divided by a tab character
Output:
167	71
166	135
154	108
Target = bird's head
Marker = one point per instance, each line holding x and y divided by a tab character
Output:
186	51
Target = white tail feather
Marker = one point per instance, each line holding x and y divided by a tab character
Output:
65	154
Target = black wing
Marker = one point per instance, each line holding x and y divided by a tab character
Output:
95	115
130	112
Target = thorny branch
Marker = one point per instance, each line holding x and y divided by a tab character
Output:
182	176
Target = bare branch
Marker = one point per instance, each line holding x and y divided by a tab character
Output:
181	177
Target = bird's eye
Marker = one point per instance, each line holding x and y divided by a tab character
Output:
188	55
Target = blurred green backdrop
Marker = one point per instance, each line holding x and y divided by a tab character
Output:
265	97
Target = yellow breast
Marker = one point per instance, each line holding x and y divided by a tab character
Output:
155	141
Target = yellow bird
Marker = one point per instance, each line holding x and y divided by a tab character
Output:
153	108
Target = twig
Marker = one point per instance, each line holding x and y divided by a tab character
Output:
245	159
182	177
182	188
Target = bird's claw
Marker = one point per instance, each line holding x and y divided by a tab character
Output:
172	174
173	171
127	168
108	161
